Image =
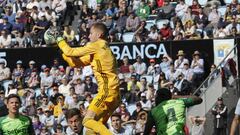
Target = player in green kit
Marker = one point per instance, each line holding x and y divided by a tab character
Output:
169	114
15	123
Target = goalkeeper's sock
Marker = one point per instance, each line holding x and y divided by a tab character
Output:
96	126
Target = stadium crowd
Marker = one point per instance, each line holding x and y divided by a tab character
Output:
23	23
47	92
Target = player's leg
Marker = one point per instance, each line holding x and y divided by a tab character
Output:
90	122
96	111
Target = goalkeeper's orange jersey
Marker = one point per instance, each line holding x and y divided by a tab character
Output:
99	55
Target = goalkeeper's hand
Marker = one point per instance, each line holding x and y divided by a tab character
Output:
55	33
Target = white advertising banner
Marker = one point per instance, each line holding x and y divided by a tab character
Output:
221	48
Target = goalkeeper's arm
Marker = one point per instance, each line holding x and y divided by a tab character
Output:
77	61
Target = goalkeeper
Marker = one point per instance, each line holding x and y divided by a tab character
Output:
98	54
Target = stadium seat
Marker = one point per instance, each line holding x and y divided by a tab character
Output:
149	24
202	2
188	2
222	10
128	37
228	1
161	22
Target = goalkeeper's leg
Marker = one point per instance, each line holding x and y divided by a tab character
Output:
96	126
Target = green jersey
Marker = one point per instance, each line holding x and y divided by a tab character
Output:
20	125
169	116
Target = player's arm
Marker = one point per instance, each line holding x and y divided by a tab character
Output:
77	61
78	51
189	100
149	125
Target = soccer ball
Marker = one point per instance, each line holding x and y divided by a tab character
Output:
48	37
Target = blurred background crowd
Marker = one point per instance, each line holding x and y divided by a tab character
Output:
23	22
49	91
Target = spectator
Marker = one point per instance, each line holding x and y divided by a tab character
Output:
178	29
139	66
19	40
183	86
220	32
172	73
111	10
79	87
143	10
57	110
162	81
134	87
166	32
146	104
90	86
64	88
116	124
32	108
165	64
5	72
69	99
47	80
5	39
41	95
234	33
198	68
233	5
179	62
136	112
233	23
201	19
167	11
50	15
237	13
17	6
124	68
55	95
33	81
150	93
17	73
9	15
143	82
46	103
132	22
37	125
17	26
195	7
213	18
187	72
181	8
121	22
228	15
197	125
48	120
153	35
41	26
151	68
190	29
125	115
188	16
141	32
220	117
61	119
123	87
141	122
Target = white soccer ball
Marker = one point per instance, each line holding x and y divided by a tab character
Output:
48	37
